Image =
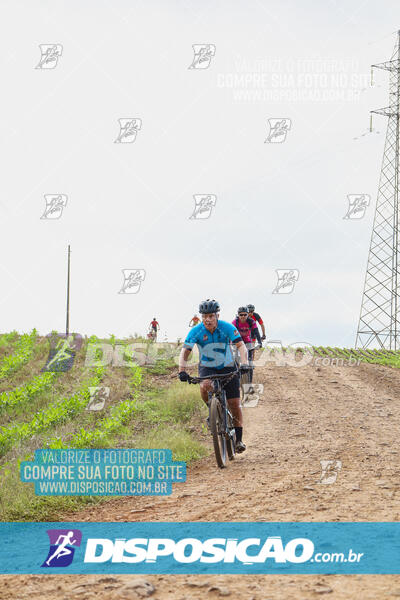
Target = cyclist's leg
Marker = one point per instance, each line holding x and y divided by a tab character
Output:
236	410
232	390
251	360
206	386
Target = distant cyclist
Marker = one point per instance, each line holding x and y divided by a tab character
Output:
214	338
194	321
257	319
248	329
154	325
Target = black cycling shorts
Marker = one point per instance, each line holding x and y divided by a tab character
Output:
232	388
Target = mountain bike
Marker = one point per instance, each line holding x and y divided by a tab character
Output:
152	335
246	378
220	417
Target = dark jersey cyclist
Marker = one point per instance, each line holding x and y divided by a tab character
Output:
257	319
213	339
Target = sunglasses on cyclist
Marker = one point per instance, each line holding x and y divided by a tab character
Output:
243	314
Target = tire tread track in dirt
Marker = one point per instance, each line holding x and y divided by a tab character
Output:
307	414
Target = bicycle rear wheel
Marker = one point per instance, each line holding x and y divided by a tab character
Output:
217	431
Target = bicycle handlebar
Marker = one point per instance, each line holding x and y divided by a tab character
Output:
212	377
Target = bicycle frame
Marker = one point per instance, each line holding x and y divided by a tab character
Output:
222	428
218	389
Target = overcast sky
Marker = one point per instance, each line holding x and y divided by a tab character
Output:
203	131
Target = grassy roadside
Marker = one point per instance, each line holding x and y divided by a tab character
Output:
167	414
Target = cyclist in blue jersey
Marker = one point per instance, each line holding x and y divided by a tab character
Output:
214	339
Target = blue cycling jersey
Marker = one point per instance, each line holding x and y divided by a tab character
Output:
214	348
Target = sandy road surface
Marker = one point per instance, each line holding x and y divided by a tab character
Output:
307	414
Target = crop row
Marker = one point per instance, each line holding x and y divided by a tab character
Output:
55	413
119	415
28	391
7	339
22	354
362	354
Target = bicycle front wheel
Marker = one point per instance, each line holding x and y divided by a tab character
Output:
217	431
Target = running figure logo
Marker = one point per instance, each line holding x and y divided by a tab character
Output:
128	129
55	203
61	552
278	129
286	280
203	54
62	351
357	206
132	280
50	54
203	205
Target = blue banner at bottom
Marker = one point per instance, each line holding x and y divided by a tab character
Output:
200	548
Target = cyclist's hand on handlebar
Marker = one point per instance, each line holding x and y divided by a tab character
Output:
263	337
183	376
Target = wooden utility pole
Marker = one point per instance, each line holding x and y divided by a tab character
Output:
68	277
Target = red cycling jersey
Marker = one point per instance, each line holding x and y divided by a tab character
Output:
257	318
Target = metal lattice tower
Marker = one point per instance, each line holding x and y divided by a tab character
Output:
379	323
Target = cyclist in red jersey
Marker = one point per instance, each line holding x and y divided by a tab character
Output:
194	321
154	325
257	319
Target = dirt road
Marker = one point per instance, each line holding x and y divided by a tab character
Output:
306	414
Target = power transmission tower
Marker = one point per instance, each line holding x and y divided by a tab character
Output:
379	324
